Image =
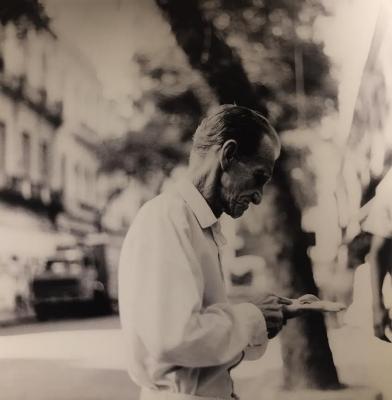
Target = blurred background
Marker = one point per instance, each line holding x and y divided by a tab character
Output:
98	104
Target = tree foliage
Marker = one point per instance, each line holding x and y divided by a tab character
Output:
24	13
259	64
139	156
278	63
261	54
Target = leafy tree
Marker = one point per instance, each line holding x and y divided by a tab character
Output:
261	54
139	155
24	13
175	95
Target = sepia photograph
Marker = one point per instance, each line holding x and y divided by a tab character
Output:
196	199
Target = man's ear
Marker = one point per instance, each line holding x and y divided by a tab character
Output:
228	153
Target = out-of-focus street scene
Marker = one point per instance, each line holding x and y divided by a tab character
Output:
99	101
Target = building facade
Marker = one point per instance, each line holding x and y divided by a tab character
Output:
53	115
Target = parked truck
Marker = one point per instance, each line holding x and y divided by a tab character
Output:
79	279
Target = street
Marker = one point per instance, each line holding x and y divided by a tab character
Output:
83	359
64	359
85	324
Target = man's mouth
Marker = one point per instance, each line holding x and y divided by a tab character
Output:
243	205
254	198
244	201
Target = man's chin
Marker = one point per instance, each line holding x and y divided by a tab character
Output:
238	211
236	216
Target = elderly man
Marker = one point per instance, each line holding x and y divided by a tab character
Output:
182	336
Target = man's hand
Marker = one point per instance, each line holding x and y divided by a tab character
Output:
295	309
310	303
272	308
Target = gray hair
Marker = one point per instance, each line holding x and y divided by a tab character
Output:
244	125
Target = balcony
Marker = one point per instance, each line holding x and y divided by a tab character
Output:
12	86
36	197
54	113
18	89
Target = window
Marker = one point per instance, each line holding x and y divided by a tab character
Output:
44	162
26	154
2	147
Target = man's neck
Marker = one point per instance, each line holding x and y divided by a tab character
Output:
204	174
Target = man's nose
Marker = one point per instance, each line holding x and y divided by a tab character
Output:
256	198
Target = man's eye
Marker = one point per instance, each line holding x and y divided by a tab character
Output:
261	178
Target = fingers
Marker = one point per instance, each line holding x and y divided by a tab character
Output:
269	298
284	300
291	312
308	298
273	307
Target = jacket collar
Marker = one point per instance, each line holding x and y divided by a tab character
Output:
197	203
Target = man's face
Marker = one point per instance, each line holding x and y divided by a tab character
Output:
243	181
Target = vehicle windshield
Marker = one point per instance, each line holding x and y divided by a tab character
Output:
64	268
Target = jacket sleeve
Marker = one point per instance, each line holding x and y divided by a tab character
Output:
163	300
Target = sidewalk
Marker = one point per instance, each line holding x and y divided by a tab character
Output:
362	362
9	318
